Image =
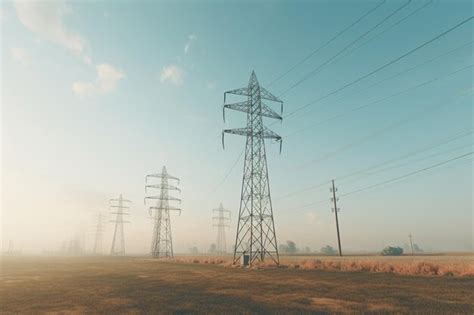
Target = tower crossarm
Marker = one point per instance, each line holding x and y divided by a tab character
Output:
167	208
163	198
161	175
118	199
223	218
119	206
245	107
267	134
242	91
221	210
160	186
171	208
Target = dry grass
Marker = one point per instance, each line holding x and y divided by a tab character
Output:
422	265
130	285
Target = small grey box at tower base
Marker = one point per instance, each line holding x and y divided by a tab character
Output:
245	259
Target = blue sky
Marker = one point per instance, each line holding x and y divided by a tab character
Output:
95	95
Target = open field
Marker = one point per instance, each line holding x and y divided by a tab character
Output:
145	285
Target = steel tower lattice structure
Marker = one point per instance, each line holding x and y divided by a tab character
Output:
223	217
118	242
99	235
162	241
256	235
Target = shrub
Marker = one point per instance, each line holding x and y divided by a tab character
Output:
392	251
328	250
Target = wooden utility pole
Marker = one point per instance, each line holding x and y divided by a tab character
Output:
336	210
411	243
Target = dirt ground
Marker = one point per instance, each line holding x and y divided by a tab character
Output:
145	285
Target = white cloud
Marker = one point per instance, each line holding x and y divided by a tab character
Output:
173	74
191	39
46	18
20	55
107	80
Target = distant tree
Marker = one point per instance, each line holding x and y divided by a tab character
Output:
291	247
213	248
328	250
392	251
307	249
194	250
283	248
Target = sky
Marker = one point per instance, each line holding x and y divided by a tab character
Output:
97	94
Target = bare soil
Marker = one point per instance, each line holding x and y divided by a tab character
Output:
144	285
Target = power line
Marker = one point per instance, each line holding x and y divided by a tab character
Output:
407	70
402	72
428	147
326	43
416	86
387	181
380	68
407	175
229	172
371	135
416	160
321	66
387	29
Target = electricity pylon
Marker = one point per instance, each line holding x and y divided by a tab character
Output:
223	217
256	235
162	241
118	242
334	199
98	235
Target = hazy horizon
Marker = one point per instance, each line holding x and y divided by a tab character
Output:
96	95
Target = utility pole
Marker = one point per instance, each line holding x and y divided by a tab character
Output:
118	242
162	241
336	210
411	243
223	216
256	236
98	235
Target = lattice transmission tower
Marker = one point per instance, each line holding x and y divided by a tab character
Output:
118	242
162	241
221	221
256	235
99	232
